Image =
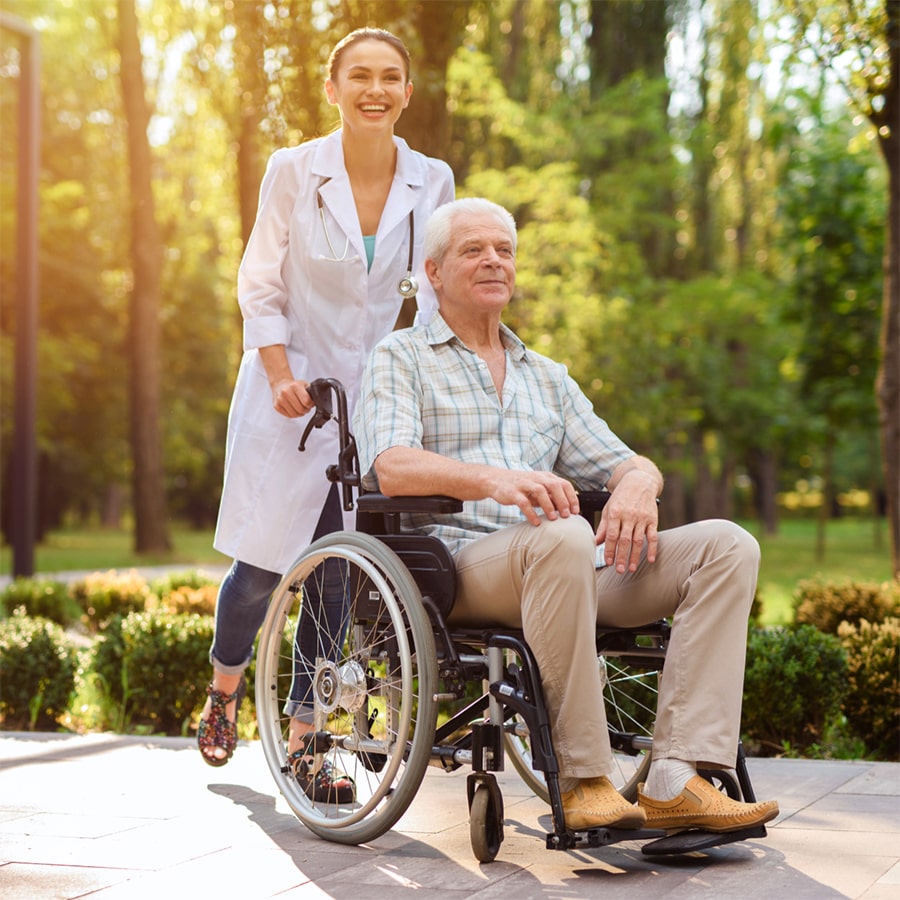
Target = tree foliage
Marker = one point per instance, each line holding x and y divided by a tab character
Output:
667	178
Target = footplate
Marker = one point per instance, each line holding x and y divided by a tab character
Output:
690	841
660	844
600	837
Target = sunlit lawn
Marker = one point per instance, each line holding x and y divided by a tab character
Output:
786	559
102	549
789	557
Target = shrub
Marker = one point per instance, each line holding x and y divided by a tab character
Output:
42	597
107	658
200	601
104	594
872	706
37	671
825	604
793	688
193	579
163	667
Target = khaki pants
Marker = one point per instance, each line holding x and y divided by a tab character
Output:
542	579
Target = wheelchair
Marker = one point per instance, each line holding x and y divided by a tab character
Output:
396	688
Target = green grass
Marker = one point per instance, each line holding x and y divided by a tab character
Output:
102	549
851	553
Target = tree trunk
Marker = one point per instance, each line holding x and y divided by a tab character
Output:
425	125
888	383
762	466
249	52
827	494
673	508
151	527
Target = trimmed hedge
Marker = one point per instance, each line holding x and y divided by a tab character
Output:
794	685
37	671
43	598
807	692
827	604
865	616
872	705
104	594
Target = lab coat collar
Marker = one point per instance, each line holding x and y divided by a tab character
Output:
328	165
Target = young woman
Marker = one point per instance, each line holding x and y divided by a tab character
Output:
337	240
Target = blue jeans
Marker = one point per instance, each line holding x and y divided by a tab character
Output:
244	599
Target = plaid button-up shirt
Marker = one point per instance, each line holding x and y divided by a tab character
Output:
423	388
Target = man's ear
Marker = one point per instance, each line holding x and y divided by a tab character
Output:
432	270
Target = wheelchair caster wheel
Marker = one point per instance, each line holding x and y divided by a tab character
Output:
486	823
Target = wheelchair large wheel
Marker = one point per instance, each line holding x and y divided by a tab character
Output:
369	676
630	694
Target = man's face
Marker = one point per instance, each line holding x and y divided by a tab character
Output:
478	272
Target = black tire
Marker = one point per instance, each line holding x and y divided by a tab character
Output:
373	688
485	832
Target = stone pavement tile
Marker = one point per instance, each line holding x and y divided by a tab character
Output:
878	778
53	882
232	873
848	862
797	782
877	815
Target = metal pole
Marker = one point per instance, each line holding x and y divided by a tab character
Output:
24	455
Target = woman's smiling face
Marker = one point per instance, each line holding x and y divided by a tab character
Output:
370	86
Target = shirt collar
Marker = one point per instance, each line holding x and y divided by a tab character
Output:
439	332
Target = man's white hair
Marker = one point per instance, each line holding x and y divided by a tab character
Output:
439	230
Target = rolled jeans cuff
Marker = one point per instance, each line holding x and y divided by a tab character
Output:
229	670
296	710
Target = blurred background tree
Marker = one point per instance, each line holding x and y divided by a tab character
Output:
701	210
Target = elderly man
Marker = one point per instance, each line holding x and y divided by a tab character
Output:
460	407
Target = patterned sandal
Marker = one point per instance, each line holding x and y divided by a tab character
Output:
328	785
218	730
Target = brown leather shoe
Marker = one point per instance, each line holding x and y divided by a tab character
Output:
595	803
700	805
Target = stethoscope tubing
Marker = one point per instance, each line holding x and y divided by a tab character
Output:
407	287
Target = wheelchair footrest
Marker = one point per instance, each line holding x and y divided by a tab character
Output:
599	837
690	841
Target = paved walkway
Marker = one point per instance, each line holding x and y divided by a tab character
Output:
112	817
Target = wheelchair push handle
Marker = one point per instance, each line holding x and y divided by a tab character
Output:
325	393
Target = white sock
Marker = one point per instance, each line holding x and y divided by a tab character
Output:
667	778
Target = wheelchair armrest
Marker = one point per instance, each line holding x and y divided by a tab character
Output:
435	504
590	503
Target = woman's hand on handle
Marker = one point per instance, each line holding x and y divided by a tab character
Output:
289	396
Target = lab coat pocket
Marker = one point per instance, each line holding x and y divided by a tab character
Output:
339	286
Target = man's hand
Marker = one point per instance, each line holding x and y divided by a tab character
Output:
630	517
553	495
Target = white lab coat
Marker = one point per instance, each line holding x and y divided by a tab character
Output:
329	314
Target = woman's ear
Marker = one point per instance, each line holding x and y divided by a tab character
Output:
330	93
409	90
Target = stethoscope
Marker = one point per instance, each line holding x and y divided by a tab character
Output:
408	287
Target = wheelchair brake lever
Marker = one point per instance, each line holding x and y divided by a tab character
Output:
320	393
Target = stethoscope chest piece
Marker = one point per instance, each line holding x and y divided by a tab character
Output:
408	287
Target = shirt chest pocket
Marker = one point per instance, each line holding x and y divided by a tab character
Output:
543	440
